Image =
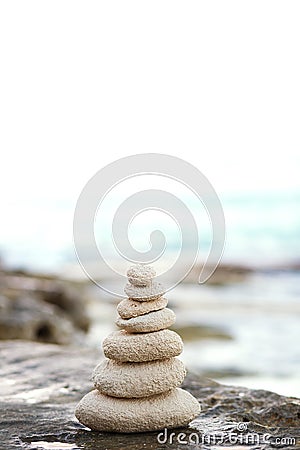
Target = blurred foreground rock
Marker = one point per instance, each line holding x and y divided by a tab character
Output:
41	384
40	308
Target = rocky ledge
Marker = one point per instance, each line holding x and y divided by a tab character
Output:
41	384
42	308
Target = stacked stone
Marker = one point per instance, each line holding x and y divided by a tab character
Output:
136	386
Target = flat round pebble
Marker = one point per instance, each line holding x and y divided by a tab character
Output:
131	380
145	293
131	308
153	321
139	347
140	275
173	409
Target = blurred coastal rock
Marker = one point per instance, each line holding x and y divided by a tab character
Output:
191	333
41	384
40	308
34	320
224	274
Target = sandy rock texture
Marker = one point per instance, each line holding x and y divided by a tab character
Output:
132	380
172	409
145	293
140	275
153	321
125	347
131	308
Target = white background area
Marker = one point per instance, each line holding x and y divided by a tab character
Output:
84	83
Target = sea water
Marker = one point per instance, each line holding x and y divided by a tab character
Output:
261	228
260	314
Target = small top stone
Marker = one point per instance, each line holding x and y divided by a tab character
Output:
140	275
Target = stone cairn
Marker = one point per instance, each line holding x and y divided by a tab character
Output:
136	386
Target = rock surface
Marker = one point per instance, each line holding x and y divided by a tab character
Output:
153	321
138	379
122	415
131	308
122	346
145	293
41	384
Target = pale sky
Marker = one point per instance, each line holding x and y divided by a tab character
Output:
84	83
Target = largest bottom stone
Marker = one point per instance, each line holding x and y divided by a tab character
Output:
172	409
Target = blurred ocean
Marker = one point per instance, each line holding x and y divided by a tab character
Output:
261	229
253	324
